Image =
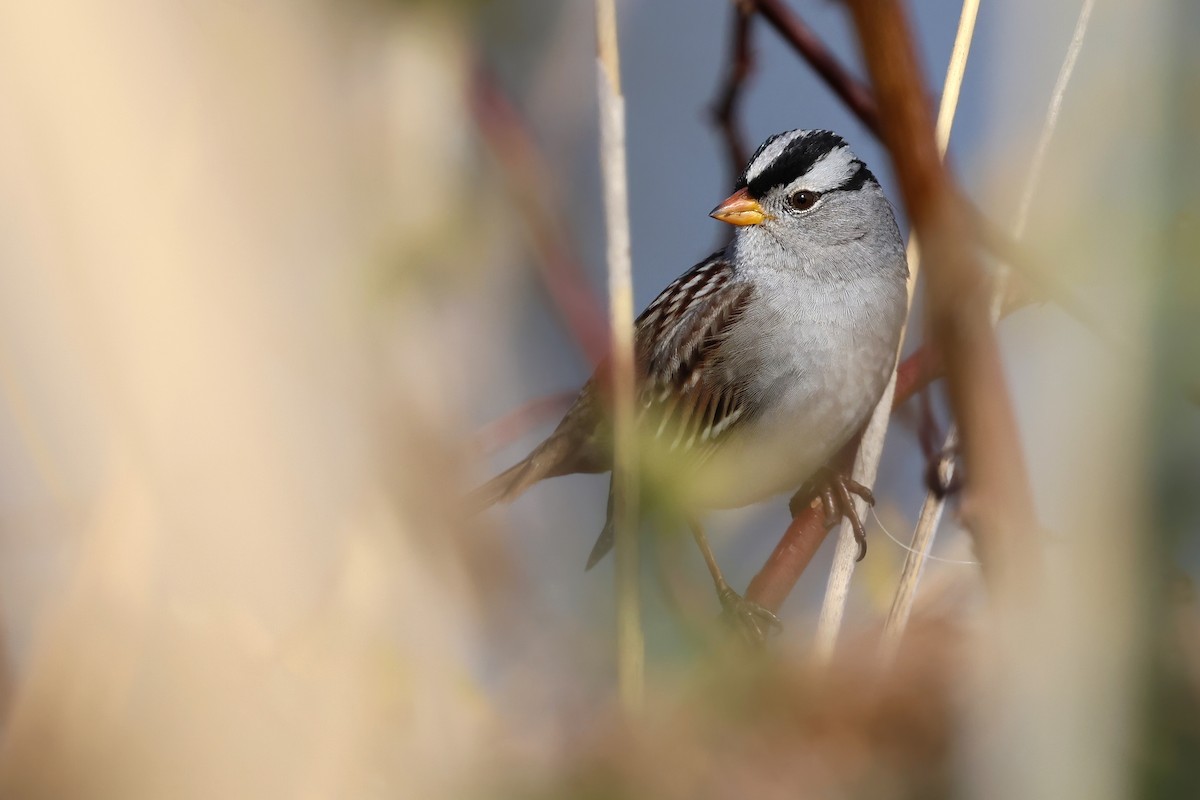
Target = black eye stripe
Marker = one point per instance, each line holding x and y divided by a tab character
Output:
859	179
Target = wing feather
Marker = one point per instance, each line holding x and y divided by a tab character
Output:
690	399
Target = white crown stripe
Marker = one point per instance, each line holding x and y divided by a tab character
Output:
831	171
770	153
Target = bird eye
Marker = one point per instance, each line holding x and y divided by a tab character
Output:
803	200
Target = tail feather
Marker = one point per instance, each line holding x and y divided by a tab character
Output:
604	542
505	487
556	456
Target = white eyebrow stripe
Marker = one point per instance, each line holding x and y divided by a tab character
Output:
834	169
770	153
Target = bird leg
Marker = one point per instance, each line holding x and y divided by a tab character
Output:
753	621
834	489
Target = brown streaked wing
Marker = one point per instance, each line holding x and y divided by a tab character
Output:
689	402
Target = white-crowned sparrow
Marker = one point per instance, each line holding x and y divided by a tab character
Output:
758	365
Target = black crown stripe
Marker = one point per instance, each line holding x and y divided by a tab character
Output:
798	158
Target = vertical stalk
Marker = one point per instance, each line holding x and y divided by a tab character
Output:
630	642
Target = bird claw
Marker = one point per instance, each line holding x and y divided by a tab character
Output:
752	621
834	490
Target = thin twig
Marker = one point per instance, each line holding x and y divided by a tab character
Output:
918	551
852	91
630	643
934	504
516	423
729	99
1051	123
837	591
507	136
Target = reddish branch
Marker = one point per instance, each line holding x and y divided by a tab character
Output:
572	297
517	423
959	298
853	92
725	108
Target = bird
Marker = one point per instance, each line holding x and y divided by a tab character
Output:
758	365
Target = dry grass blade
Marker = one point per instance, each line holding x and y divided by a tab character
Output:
871	449
1052	112
630	643
918	552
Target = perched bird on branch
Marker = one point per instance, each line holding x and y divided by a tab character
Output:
759	364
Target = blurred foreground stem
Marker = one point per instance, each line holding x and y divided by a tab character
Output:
630	642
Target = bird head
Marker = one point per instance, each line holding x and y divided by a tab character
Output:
806	189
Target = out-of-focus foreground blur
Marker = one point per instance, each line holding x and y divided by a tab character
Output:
269	273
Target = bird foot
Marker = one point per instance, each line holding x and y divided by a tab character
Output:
748	618
834	490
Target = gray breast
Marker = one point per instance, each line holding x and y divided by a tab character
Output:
816	357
